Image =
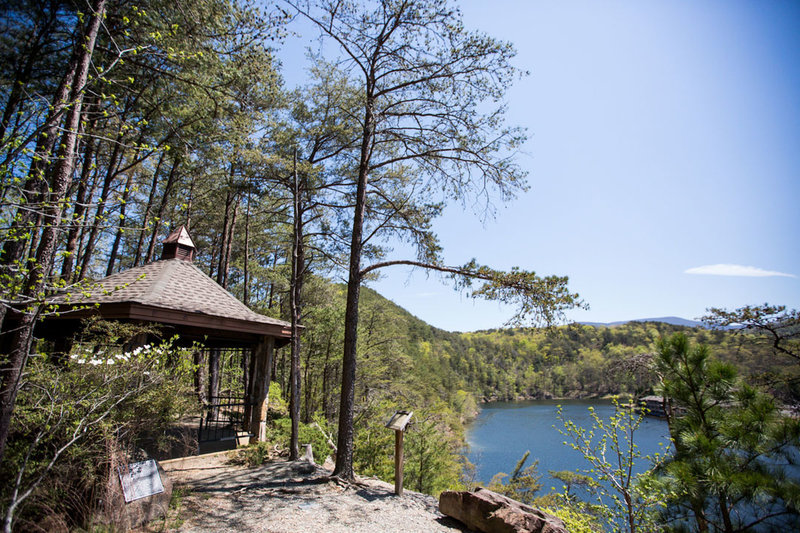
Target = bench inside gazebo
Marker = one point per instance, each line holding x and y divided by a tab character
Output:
238	344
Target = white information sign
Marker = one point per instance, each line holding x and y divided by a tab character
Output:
140	480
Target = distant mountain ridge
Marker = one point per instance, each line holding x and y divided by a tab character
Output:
673	320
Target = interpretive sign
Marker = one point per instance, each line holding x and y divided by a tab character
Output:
140	480
398	423
399	420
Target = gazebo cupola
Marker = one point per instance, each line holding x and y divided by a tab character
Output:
178	245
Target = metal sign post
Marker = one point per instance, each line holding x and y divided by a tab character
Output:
398	423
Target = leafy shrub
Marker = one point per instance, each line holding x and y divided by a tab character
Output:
281	430
76	417
576	521
253	454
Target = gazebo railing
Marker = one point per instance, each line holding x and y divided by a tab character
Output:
224	418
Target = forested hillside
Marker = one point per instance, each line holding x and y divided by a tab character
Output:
571	361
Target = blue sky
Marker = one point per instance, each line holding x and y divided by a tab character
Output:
664	160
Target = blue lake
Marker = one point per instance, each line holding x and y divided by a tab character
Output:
504	431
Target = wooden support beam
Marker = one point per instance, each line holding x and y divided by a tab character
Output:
260	377
398	462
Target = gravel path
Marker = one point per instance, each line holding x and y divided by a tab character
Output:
292	497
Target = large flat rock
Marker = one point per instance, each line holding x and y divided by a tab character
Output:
490	512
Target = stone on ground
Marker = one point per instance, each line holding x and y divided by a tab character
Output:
489	512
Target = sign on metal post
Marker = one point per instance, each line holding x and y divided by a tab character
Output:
398	423
140	480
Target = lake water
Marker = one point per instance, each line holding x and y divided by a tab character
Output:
504	431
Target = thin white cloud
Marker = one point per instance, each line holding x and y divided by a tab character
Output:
736	270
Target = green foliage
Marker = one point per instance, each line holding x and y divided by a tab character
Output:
625	498
572	480
278	407
76	417
774	329
734	450
432	446
254	455
277	442
538	300
573	361
278	435
522	484
574	520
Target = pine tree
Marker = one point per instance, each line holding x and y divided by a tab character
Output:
734	450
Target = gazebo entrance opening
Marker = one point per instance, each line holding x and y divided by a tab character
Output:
226	401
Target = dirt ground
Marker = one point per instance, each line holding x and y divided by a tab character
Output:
291	497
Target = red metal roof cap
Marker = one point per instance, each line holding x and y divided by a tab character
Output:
180	236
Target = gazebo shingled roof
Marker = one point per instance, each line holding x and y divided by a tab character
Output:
173	291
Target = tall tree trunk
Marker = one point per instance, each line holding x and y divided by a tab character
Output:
213	378
284	381
229	244
344	442
22	74
725	513
146	218
296	307
271	298
84	226
79	211
173	172
14	246
227	235
212	255
326	393
246	294
121	229
200	375
308	389
189	205
100	217
21	338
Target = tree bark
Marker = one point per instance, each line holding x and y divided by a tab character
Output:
99	215
344	443
295	304
161	208
309	389
326	400
112	258
227	236
79	211
146	219
271	297
35	183
200	375
246	292
229	245
189	205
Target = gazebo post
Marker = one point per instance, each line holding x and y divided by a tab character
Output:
260	377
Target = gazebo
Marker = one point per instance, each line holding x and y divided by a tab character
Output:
182	300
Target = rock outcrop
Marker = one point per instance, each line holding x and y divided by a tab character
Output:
489	512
